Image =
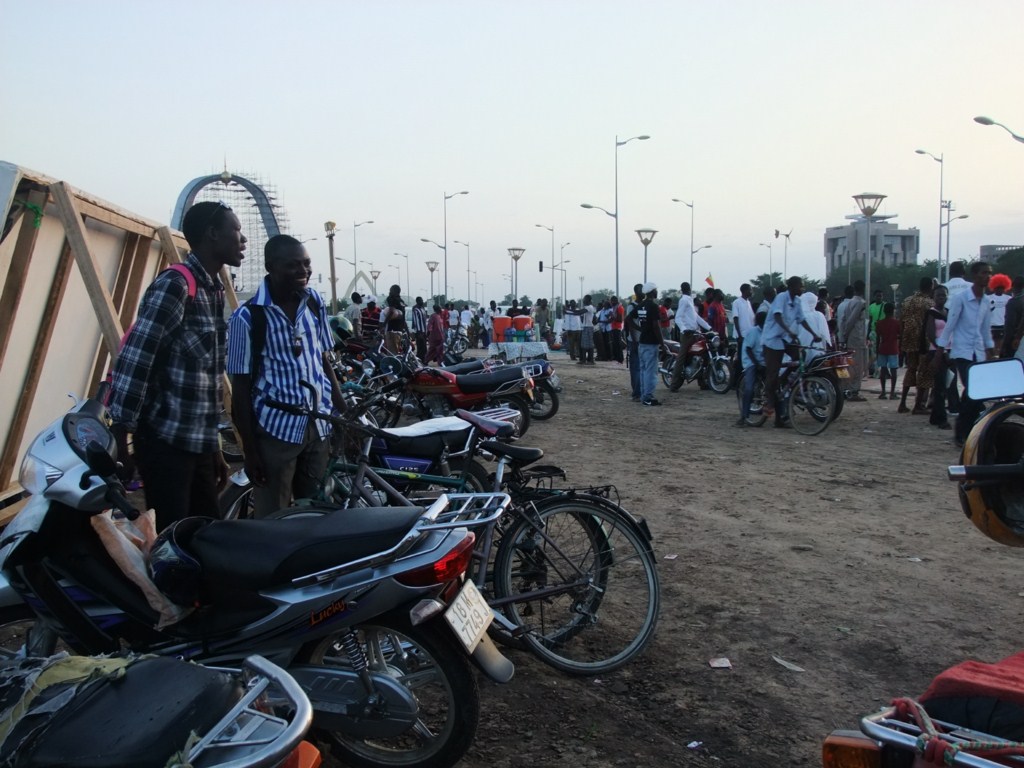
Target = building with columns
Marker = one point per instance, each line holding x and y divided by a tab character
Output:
890	245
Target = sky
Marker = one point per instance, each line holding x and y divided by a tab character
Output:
765	115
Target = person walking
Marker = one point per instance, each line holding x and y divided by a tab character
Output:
645	316
632	331
934	366
277	344
887	357
912	314
587	318
573	328
166	384
419	327
687	321
616	322
752	358
436	329
967	339
1013	322
852	334
742	321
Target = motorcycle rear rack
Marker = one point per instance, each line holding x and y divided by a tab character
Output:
885	727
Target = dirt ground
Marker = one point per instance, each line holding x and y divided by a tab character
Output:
845	554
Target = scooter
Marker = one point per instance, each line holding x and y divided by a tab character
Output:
151	712
366	610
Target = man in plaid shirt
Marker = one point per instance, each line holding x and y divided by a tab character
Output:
167	380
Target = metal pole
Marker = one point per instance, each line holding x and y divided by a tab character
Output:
445	194
616	214
334	280
942	169
691	241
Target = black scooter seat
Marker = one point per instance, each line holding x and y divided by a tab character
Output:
520	454
488	382
256	554
468	366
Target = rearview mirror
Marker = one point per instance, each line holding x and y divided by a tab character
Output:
995	379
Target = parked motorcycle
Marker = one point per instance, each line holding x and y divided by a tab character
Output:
546	383
707	364
151	712
366	610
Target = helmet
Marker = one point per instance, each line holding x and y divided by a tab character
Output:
996	507
341	328
175	571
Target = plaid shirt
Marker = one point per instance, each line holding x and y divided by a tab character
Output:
169	372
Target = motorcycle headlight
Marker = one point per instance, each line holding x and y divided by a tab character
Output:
36	475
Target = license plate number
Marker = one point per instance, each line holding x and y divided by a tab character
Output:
842	373
469	616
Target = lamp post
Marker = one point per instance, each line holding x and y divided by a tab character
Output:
432	265
869	204
374	273
770	275
355	258
551	229
942	171
692	254
329	227
785	253
581	288
511	289
469	289
395	266
989	121
448	197
516	254
443	248
476	284
646	236
894	287
408	292
690	206
949	211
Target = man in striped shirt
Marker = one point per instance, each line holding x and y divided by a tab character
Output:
285	454
419	327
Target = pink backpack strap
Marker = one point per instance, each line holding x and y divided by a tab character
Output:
190	279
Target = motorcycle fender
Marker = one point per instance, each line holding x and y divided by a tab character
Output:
8	595
492	661
340	702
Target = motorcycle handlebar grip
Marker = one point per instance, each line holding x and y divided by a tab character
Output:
961	472
287	407
116	497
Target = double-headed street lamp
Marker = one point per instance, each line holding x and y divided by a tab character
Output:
551	229
516	254
989	121
942	170
469	291
448	197
769	247
692	254
408	292
355	258
616	214
690	206
432	266
646	236
949	212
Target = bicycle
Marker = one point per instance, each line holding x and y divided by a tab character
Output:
807	399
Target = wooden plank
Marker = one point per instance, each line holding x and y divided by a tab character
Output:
74	228
14	283
27	396
7	513
101	362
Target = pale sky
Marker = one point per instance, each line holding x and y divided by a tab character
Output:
766	115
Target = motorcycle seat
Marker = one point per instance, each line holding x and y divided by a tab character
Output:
521	455
426	439
489	427
475	383
256	554
469	366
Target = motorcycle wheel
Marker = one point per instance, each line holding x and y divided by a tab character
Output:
459	345
19	635
666	373
426	659
812	403
545	402
756	416
719	375
840	396
235	502
519	403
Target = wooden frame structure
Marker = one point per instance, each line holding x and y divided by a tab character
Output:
73	268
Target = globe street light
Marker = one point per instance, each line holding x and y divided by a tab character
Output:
894	287
469	290
355	258
448	197
690	206
646	235
408	291
869	204
516	254
942	168
374	273
989	121
443	248
329	227
432	265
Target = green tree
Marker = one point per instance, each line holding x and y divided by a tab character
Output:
1012	262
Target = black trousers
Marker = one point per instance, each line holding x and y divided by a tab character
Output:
177	483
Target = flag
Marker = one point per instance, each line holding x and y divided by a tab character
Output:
710	280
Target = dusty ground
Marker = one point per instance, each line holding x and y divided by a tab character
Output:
845	554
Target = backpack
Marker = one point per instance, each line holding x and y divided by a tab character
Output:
258	332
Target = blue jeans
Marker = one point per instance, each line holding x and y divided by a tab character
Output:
749	379
648	370
634	366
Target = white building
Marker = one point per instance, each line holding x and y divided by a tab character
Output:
890	245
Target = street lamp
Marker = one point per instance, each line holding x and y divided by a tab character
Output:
443	248
448	197
581	288
616	214
329	227
551	229
942	169
432	265
894	286
869	204
989	121
516	254
374	273
692	254
408	291
646	235
355	258
469	290
690	206
949	211
395	266
770	274
511	289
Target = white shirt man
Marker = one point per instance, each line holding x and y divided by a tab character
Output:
743	312
466	317
687	320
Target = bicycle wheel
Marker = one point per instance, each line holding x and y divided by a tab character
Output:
755	417
582	581
719	375
545	401
812	401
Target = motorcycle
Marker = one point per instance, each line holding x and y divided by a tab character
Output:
150	712
367	610
547	384
706	363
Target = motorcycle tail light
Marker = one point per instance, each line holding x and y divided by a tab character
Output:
449	567
850	749
304	756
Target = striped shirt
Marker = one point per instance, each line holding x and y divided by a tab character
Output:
168	374
280	370
419	319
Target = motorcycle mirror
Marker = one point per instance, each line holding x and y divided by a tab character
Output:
99	460
368	367
994	379
392	366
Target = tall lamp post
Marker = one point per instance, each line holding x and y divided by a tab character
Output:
355	258
469	289
869	204
989	121
942	171
692	254
551	229
895	287
770	274
374	273
646	236
581	288
448	197
329	227
616	214
395	266
516	254
949	211
443	248
408	292
432	266
690	206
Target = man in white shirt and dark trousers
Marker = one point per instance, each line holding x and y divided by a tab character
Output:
742	321
967	339
687	321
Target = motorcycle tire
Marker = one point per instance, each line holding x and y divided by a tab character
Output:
429	660
545	402
840	395
666	373
18	629
519	403
718	375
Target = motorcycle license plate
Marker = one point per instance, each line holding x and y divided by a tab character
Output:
469	616
842	373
